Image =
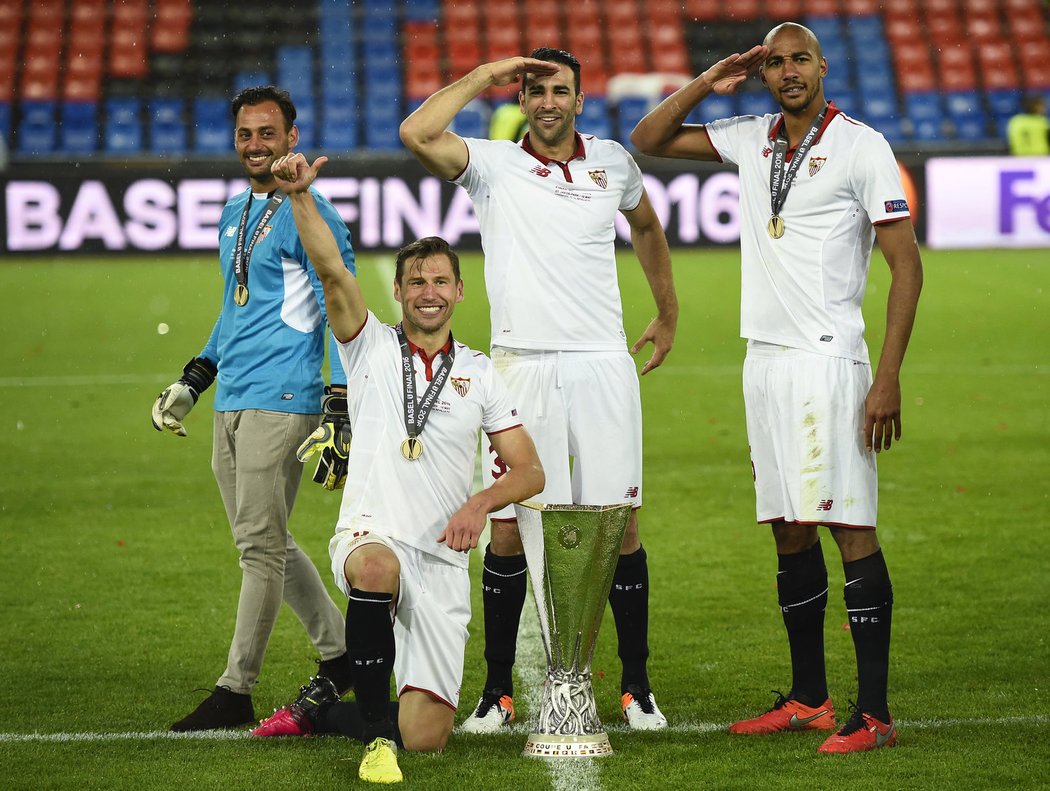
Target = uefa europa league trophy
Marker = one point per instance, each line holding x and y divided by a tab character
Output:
572	552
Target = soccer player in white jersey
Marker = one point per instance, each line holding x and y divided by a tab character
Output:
546	207
816	189
417	400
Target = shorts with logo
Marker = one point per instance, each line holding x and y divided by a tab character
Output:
432	612
584	405
805	419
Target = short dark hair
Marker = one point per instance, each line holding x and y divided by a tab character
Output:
425	248
552	55
266	93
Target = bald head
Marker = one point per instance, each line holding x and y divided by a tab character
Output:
795	27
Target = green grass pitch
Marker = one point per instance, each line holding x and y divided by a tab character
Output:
118	577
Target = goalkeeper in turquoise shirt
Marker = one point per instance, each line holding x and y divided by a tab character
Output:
266	351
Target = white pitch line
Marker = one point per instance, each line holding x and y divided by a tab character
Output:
682	728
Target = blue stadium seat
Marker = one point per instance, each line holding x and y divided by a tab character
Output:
5	121
306	120
339	137
846	101
167	126
123	126
971	127
79	130
472	120
1004	102
878	103
838	80
756	103
250	79
295	70
824	27
864	30
891	128
715	107
212	125
923	106
962	103
595	120
36	131
422	10
629	110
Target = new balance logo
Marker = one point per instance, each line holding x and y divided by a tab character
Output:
825	505
632	491
541	171
767	151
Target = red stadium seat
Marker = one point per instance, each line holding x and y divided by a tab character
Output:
703	10
782	10
742	10
904	28
955	68
822	7
861	7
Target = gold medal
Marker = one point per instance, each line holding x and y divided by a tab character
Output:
412	448
775	227
240	295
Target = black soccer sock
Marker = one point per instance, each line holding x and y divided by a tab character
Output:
503	583
629	598
869	604
344	717
802	591
370	646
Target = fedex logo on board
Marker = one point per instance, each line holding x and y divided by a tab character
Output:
1016	195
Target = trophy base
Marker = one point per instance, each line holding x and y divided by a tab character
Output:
552	745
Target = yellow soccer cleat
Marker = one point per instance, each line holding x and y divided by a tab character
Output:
380	763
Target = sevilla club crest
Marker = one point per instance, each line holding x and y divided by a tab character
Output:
599	177
461	384
815	164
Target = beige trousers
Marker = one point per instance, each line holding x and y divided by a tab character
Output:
253	458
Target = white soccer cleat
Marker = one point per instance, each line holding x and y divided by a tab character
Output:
493	711
640	710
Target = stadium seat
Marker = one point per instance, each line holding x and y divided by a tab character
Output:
79	128
755	103
36	131
167	127
715	107
250	79
629	111
595	119
212	125
472	120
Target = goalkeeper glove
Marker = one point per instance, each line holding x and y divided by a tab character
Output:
332	440
176	400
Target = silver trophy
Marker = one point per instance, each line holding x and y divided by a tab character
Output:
572	552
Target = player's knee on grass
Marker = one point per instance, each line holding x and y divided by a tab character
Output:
425	722
504	539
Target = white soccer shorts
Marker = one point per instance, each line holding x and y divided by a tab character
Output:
432	612
805	418
583	405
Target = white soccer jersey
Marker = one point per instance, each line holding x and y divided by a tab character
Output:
385	493
547	229
805	289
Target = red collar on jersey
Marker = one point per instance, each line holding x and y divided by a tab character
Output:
428	361
832	112
579	153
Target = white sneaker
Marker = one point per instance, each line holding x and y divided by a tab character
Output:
640	710
493	711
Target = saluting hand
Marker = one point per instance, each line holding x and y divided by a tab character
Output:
509	70
727	75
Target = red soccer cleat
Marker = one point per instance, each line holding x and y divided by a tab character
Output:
299	718
862	732
287	721
789	715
